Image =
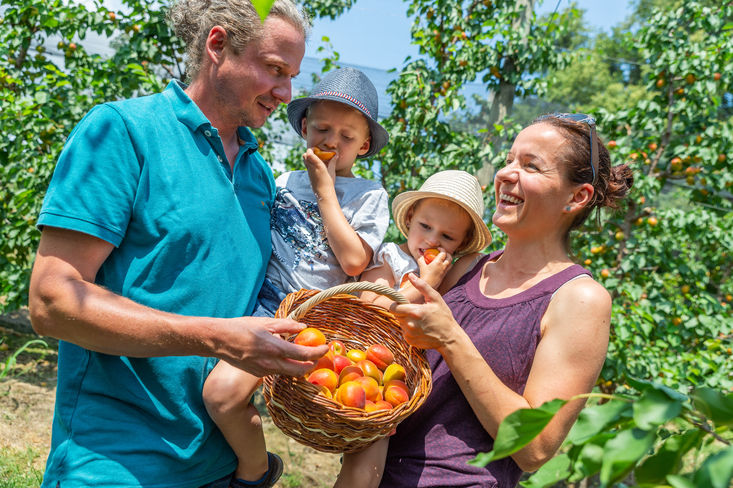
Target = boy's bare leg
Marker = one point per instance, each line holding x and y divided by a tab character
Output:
363	469
227	394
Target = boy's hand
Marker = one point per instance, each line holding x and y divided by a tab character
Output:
433	268
318	169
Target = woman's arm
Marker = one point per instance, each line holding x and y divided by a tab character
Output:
352	252
567	362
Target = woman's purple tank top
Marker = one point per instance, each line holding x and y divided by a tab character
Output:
432	447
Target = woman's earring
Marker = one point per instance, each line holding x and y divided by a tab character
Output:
567	208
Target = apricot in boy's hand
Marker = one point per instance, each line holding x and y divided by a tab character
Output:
323	155
430	254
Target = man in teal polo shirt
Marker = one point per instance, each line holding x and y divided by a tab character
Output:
155	239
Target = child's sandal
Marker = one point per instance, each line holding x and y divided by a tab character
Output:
274	471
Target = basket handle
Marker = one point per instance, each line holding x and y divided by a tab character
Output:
346	288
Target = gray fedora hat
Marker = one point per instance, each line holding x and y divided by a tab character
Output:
351	87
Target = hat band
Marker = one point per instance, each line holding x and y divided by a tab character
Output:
347	97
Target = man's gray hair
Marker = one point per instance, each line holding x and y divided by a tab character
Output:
192	20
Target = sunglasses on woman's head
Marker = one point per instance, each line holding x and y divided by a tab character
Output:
593	139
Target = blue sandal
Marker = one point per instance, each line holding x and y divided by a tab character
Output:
274	471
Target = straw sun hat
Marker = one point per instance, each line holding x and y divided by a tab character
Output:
455	186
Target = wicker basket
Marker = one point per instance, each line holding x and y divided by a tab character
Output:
319	422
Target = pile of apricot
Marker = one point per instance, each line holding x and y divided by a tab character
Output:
367	379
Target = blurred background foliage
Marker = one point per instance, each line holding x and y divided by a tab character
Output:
659	85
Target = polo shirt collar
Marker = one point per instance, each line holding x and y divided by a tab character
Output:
191	115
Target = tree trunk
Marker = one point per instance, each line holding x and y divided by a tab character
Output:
501	105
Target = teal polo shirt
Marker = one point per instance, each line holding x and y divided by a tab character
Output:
150	176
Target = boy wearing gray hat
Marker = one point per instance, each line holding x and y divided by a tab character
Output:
326	225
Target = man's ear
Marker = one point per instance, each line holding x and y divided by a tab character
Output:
215	44
365	147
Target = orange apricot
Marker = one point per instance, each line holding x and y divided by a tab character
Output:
380	355
351	394
430	254
382	405
371	387
310	336
324	377
370	369
340	362
395	394
325	361
323	155
350	373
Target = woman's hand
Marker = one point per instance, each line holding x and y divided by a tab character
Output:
429	325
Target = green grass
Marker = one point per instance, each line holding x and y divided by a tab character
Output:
16	469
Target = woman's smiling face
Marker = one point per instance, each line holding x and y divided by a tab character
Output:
531	189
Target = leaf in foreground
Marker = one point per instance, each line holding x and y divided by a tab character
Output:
517	430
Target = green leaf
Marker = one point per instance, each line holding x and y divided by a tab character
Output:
518	429
556	469
621	454
590	458
654	408
668	457
263	7
716	406
595	419
643	385
676	481
717	470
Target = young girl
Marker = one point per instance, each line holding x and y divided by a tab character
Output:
442	220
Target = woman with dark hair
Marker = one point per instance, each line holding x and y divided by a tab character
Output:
515	328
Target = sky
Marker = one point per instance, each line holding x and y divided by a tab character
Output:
376	33
374	36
